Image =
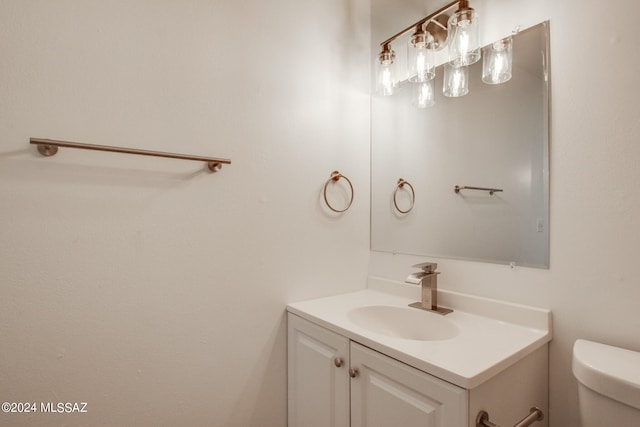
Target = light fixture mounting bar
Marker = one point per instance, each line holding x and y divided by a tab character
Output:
460	3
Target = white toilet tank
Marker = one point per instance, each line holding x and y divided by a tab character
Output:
608	384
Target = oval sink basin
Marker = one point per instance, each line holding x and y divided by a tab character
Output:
400	322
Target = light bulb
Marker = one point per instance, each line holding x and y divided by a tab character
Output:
421	60
463	41
386	80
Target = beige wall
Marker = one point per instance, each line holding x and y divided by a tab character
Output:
592	286
150	288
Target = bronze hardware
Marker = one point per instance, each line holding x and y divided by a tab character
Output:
401	184
427	278
335	177
49	147
457	189
535	414
434	19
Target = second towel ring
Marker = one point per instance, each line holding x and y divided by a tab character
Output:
335	177
401	184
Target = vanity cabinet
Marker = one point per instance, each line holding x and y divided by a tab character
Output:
318	377
337	382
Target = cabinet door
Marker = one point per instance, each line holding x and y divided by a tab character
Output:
385	392
318	380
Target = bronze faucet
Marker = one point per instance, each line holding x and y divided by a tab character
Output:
427	278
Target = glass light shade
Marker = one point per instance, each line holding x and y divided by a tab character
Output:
497	62
420	58
423	94
464	43
386	81
456	81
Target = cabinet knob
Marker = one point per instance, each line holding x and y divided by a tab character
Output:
353	372
338	362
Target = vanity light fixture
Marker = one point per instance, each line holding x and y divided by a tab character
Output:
460	33
429	34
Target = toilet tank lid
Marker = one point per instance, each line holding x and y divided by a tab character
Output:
611	371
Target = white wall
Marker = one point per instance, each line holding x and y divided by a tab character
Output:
150	288
592	286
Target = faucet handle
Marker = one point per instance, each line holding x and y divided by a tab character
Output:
427	267
415	278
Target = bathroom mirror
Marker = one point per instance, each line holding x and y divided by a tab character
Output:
497	136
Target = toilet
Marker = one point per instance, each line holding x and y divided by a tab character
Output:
608	384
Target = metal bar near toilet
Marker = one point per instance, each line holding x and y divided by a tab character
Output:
536	414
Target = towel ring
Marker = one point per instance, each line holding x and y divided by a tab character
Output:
401	184
335	177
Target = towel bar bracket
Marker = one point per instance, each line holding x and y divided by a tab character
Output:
214	166
47	150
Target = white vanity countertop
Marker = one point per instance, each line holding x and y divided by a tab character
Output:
492	336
